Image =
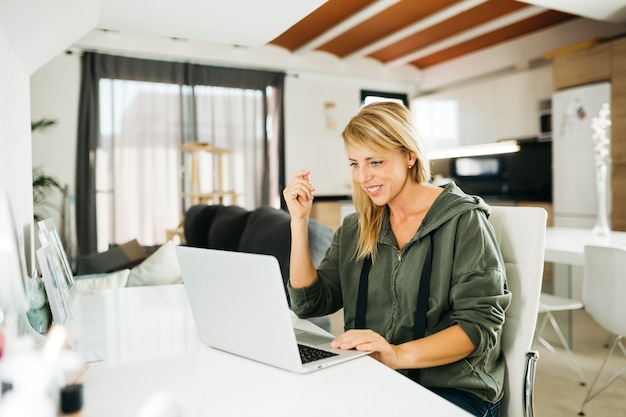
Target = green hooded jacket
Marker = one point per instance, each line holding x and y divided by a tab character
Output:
467	287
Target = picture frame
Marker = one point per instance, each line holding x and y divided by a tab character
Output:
53	275
48	234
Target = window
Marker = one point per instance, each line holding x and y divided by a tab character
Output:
368	96
137	118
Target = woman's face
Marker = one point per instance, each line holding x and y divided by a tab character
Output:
382	177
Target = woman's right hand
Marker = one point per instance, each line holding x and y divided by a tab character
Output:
299	195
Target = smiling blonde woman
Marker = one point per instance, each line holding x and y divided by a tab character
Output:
416	269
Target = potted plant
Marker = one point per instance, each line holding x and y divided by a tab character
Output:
43	185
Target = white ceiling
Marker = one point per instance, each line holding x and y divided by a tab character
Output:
613	11
235	22
255	23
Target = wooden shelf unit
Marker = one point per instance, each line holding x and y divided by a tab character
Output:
217	196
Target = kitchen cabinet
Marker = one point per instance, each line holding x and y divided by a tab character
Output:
331	212
618	101
618	133
504	107
582	67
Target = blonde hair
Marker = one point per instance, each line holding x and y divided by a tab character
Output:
381	128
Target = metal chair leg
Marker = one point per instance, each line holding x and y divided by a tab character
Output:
569	359
592	394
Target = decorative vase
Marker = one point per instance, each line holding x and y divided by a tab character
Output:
601	227
39	314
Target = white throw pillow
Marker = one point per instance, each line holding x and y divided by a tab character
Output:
160	268
117	279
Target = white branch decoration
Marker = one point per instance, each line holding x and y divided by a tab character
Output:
601	141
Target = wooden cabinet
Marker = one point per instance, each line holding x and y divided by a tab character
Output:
618	101
618	133
582	67
517	98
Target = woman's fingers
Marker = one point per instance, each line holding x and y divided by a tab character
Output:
357	339
300	187
368	340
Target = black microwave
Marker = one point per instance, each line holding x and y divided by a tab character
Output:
520	176
483	175
545	124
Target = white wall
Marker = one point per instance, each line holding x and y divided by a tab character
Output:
54	95
31	33
15	146
309	143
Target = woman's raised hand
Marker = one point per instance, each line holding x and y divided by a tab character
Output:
299	195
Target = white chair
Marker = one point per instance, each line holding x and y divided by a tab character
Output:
549	304
604	287
521	233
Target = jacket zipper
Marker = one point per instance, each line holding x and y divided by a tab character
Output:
390	329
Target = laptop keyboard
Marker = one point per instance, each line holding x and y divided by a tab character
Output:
311	354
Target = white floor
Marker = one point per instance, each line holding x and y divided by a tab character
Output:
557	390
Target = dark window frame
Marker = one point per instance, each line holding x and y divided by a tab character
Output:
385	94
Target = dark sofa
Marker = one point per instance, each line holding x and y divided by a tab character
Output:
265	230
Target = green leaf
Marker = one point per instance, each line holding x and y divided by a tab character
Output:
42	124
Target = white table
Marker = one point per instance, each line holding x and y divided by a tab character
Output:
151	355
565	247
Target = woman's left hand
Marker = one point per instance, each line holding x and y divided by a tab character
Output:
368	340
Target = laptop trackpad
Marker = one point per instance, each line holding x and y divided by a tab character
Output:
312	339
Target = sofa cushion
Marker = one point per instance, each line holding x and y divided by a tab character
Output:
198	221
268	232
320	237
160	268
227	227
118	257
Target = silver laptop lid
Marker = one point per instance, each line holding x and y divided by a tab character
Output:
239	304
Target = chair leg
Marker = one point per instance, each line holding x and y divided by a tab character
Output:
569	359
591	394
621	346
607	343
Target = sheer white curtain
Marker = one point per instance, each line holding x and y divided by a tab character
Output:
232	119
138	162
140	172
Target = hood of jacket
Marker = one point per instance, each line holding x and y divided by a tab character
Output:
449	204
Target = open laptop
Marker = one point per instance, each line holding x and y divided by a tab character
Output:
239	306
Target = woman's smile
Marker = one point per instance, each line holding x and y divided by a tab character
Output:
373	190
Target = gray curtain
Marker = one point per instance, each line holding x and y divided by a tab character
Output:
96	66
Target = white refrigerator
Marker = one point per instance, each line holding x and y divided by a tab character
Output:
574	192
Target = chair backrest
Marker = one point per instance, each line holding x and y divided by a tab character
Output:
521	235
604	287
